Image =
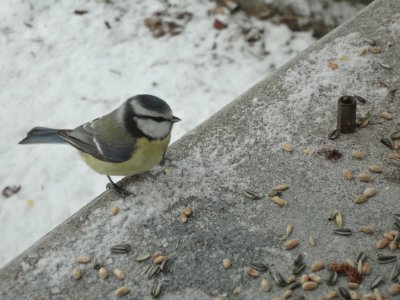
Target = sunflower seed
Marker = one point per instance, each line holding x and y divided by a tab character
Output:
294	286
386	259
146	269
299	260
153	271
156	289
259	266
376	282
388	143
360	99
397	226
395	135
252	195
361	257
343	231
121	249
278	278
397	239
96	263
395	273
166	265
343	292
143	257
332	278
333	135
298	269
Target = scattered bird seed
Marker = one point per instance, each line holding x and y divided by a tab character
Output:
370	192
280	187
386	66
361	257
347	174
314	277
361	199
333	215
367	269
114	211
332	65
311	240
119	274
265	286
371	42
333	135
143	257
378	294
278	200
394	289
187	211
309	285
159	259
226	263
352	285
388	236
278	278
393	245
299	260
122	291
395	273
317	266
236	291
120	249
395	135
153	271
298	269
375	169
343	292
259	266
388	143
294	286
274	193
374	50
287	294
364	177
358	154
366	229
304	278
376	282
166	265
253	273
287	147
291	279
183	217
386	259
252	195
84	259
385	115
96	263
332	278
343	231
339	219
360	99
103	273
156	289
290	244
76	273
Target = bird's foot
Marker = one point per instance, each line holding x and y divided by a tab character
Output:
117	189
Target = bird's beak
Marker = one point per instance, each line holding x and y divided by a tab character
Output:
175	120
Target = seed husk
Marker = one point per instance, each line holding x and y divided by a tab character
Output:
299	260
159	259
360	99
122	291
395	135
361	257
386	259
378	294
317	266
343	292
395	273
265	286
352	285
156	289
259	266
382	244
361	199
84	259
367	269
103	273
278	278
236	291
393	155
388	143
226	263
376	282
347	174
76	273
343	231
252	195
298	269
375	169
358	154
287	294
370	192
385	115
166	265
374	50
278	200
281	187
120	249
153	271
96	263
287	147
187	211
339	219
334	134
333	215
311	240
332	278
366	229
290	244
119	274
394	289
114	211
364	177
314	277
143	257
309	285
253	272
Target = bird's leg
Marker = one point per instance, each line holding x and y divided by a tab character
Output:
119	190
165	160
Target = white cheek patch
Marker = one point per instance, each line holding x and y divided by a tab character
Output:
156	130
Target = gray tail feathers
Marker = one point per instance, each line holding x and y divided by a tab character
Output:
43	135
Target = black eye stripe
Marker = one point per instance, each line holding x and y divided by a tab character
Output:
157	119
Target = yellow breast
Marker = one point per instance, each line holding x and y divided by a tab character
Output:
147	155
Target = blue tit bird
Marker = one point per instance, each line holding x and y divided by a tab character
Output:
129	140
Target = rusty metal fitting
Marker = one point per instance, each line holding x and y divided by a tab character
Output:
346	114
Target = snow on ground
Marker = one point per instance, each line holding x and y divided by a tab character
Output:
60	69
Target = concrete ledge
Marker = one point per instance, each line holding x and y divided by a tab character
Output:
236	149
